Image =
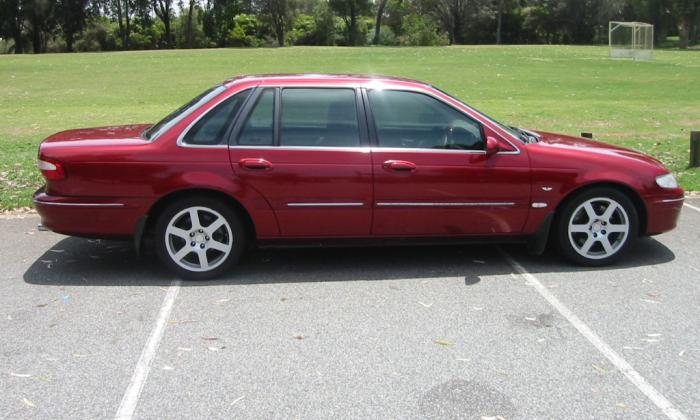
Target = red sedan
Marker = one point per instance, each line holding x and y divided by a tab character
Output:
342	159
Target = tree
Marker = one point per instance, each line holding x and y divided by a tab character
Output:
349	10
123	10
71	17
658	13
42	20
502	7
451	15
688	13
325	24
189	27
378	21
164	9
544	19
12	22
278	13
218	19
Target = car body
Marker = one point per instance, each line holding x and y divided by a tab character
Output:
346	158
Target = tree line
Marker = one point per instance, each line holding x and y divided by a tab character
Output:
40	26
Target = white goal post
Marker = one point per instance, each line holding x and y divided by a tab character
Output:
631	40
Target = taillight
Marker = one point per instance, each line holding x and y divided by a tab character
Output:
52	170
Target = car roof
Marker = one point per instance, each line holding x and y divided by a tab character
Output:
322	78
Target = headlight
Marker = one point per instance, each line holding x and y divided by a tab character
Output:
666	181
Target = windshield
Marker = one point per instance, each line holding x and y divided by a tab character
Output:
180	113
513	131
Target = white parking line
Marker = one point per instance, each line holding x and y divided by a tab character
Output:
647	389
692	207
143	366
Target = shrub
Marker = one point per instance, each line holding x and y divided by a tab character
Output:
417	31
386	36
304	31
245	32
5	46
326	32
100	35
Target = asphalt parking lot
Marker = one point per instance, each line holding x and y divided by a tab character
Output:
91	331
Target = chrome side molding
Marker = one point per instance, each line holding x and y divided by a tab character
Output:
53	203
453	204
330	204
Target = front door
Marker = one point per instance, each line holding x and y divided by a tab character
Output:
305	150
432	176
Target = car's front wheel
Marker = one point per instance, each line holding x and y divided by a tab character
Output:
199	238
597	227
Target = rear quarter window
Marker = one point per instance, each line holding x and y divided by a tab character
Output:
211	128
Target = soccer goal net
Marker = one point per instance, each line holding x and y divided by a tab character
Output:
631	40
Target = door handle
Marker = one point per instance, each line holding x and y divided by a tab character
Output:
400	165
250	163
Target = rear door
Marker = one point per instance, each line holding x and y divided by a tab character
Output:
432	176
305	149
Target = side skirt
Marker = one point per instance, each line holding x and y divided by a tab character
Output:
370	242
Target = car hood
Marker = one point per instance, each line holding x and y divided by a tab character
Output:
119	132
593	147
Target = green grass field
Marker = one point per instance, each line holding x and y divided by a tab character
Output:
649	106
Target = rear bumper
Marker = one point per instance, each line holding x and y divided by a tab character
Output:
663	213
89	216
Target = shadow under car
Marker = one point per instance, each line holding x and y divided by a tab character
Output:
77	261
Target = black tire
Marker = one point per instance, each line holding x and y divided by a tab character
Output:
573	245
231	235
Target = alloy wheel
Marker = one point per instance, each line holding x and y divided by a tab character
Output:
198	239
598	228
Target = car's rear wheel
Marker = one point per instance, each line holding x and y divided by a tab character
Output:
597	227
199	238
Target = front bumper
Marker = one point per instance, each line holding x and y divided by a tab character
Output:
663	213
89	216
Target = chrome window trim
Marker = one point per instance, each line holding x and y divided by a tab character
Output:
181	138
446	204
52	203
217	90
363	149
330	204
201	146
419	150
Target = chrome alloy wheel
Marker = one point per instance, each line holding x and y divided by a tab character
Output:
198	239
598	228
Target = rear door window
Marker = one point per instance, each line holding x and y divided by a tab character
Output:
319	117
258	129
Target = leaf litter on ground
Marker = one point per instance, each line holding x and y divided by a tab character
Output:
234	402
599	369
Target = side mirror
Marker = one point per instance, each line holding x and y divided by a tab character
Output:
492	146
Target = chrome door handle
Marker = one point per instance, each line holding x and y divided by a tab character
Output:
251	163
400	165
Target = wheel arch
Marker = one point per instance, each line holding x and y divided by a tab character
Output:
630	192
162	203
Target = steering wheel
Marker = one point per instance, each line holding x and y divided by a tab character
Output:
456	132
